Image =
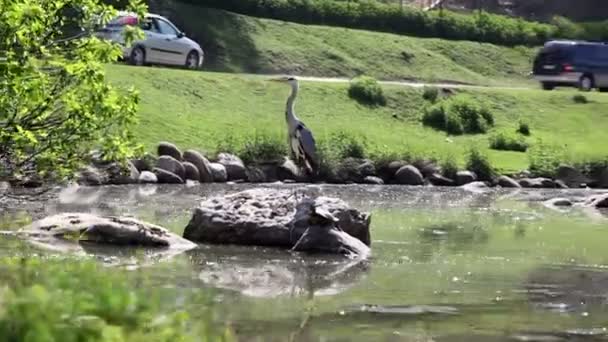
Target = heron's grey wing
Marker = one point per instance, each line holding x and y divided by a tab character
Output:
307	141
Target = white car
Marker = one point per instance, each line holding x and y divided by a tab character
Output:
164	43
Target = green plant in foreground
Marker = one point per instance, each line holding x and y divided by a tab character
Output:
449	168
55	104
367	90
458	115
55	300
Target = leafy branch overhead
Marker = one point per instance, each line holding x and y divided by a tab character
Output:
55	103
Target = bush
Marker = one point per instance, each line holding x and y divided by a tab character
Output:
580	99
367	90
449	168
508	142
263	147
374	15
479	163
523	128
430	94
545	159
458	115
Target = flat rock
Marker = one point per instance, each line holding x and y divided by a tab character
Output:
147	177
597	201
172	165
281	218
168	149
558	202
537	183
167	177
191	171
56	231
218	171
465	177
409	175
476	187
439	180
201	163
235	168
287	170
508	182
90	175
256	175
373	180
121	175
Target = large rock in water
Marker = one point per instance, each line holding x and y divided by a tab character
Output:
169	149
66	231
204	169
172	165
235	168
273	217
409	175
571	177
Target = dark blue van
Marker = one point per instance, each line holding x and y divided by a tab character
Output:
573	64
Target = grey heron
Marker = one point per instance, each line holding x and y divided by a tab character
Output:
300	139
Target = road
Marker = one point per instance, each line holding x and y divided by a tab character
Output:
412	84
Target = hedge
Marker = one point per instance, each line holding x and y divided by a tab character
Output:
377	16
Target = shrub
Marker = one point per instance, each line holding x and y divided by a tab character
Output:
508	142
367	90
523	128
449	168
430	94
479	163
458	115
579	98
263	147
545	159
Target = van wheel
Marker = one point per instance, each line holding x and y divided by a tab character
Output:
585	83
548	86
138	56
192	60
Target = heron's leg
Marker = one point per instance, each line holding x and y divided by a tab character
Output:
300	240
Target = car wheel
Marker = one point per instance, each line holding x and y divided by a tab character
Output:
586	83
138	56
192	60
548	86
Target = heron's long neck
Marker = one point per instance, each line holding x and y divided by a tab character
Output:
290	114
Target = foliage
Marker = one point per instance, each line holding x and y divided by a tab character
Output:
449	167
55	104
508	142
374	15
55	300
579	98
479	163
524	128
545	159
367	90
430	94
458	115
263	147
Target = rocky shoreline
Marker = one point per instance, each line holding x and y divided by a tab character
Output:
172	166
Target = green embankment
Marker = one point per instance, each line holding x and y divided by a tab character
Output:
200	109
238	43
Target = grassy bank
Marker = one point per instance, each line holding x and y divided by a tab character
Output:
238	43
205	110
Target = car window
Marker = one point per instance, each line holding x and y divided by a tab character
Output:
166	28
148	25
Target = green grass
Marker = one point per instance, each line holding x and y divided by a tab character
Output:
238	43
200	109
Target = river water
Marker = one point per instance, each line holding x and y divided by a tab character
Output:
447	265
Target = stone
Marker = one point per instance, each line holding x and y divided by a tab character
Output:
560	184
144	163
602	181
201	163
373	180
288	170
508	182
409	175
120	175
91	176
354	170
439	180
4	187
281	218
167	177
597	201
476	187
255	175
172	165
147	177
191	171
465	177
168	149
427	168
559	202
218	171
571	177
235	168
537	183
62	230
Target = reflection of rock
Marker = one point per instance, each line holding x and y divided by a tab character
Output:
277	273
65	232
272	217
